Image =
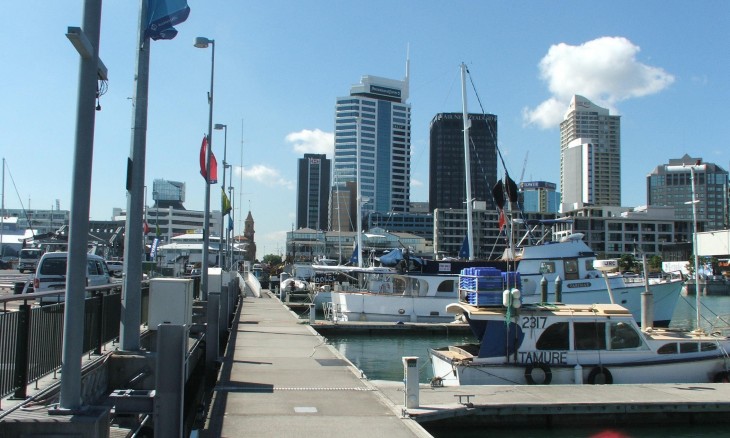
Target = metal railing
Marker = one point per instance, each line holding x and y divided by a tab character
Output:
31	340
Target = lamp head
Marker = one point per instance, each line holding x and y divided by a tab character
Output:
202	42
220	126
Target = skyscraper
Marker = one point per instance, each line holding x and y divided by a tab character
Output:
590	156
671	185
313	187
373	130
447	180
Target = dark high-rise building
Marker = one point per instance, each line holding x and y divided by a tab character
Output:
447	179
671	185
313	187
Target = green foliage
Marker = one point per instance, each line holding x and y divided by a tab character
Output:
627	263
655	263
272	259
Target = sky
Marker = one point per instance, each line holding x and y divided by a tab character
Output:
662	65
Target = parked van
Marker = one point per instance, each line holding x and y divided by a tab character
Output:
28	259
51	274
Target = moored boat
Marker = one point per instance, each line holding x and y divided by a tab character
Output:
573	344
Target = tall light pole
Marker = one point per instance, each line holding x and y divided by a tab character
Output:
202	43
221	251
694	245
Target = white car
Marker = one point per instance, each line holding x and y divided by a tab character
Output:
51	274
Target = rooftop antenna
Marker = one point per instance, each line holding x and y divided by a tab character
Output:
407	80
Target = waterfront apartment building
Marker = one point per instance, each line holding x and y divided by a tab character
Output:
313	191
447	176
39	220
590	156
671	185
539	197
450	226
373	135
614	231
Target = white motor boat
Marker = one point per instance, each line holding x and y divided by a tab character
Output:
575	344
572	260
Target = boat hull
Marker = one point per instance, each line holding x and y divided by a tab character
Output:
664	298
353	306
453	372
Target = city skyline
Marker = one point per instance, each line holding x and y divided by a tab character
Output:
281	65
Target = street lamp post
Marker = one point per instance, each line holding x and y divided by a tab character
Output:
202	43
221	251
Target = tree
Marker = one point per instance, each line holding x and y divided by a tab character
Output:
272	259
627	263
655	263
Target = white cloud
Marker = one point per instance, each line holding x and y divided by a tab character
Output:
312	142
416	182
267	176
604	70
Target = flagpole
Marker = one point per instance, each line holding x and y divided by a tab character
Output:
221	252
202	42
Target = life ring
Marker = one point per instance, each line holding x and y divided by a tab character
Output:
547	374
722	377
600	376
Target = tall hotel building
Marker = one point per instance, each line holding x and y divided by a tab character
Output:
671	185
590	156
313	188
373	124
447	179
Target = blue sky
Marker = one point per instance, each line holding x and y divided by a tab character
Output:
280	65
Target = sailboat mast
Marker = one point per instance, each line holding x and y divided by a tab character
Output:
467	164
358	197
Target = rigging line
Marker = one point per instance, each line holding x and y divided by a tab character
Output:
22	207
494	137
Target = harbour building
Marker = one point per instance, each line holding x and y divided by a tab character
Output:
671	185
590	156
447	177
539	197
373	131
313	188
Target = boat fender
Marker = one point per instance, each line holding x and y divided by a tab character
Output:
722	377
600	376
547	374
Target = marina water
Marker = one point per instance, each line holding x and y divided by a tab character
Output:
379	358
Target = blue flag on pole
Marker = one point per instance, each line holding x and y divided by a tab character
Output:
162	15
464	251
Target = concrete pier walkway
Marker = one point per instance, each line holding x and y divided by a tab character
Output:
278	378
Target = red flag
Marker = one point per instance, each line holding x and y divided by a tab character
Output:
213	162
145	227
502	219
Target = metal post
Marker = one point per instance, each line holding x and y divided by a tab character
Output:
410	371
211	330
221	251
204	42
558	290
170	379
694	249
647	299
73	329
129	331
22	344
543	290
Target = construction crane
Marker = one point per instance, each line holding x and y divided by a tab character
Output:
524	166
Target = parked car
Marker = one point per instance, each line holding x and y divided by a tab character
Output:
51	274
115	267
